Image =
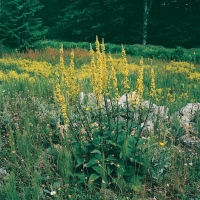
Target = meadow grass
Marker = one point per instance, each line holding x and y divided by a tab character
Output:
94	150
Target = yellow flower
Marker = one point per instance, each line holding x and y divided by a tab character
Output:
113	80
125	71
153	86
162	144
87	109
61	101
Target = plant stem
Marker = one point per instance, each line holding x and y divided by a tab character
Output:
117	127
127	114
107	111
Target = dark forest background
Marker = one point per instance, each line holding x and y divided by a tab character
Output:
169	23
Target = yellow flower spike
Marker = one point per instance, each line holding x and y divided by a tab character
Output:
140	85
62	68
136	100
61	49
153	86
97	45
93	67
99	74
102	46
61	101
104	69
125	71
96	73
61	58
113	79
141	61
72	89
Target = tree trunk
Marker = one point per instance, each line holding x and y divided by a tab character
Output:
147	8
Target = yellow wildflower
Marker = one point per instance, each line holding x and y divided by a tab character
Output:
125	71
139	86
104	74
97	45
113	80
13	74
153	86
96	81
162	144
61	101
73	89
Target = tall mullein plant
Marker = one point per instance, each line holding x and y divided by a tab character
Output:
153	85
113	85
104	69
126	85
72	89
97	72
59	97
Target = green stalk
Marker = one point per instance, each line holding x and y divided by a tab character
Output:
107	111
127	114
117	123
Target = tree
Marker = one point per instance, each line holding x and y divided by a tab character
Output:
147	8
118	21
20	27
174	23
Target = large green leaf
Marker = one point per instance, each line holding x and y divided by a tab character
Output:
82	177
121	137
132	142
135	184
107	134
119	182
116	145
98	169
130	170
141	141
96	151
93	177
85	147
98	157
125	148
110	168
96	139
111	158
92	161
79	161
120	171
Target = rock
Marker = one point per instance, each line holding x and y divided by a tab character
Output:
108	194
156	114
122	99
88	99
187	117
190	141
156	111
188	112
3	175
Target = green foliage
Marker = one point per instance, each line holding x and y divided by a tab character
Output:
148	51
108	148
11	188
102	154
171	23
20	27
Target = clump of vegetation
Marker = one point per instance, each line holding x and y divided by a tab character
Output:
80	132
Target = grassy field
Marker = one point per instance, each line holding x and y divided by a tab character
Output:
55	144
